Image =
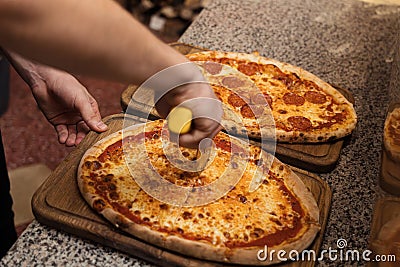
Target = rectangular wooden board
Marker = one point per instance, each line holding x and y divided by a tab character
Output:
59	204
319	158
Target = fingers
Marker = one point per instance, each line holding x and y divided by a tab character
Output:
90	113
203	128
72	135
62	133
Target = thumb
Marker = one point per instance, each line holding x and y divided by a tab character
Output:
90	113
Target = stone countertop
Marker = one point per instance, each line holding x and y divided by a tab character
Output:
349	43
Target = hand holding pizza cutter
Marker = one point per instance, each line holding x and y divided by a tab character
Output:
180	122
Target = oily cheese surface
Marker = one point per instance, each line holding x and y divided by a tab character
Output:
281	213
304	107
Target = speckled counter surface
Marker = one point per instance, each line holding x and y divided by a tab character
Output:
349	43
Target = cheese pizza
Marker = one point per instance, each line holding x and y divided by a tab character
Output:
281	213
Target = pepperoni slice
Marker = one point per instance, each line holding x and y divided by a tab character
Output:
247	112
212	67
300	123
232	82
260	99
251	111
315	97
293	99
235	100
249	68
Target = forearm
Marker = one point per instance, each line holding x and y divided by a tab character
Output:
94	37
26	69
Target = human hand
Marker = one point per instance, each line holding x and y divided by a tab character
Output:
63	100
205	107
67	105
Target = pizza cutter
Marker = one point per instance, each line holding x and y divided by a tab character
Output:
180	122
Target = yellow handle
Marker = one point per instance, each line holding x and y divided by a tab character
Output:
180	120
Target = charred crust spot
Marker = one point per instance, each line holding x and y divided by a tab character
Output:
108	178
146	219
281	168
227	235
99	205
242	199
179	230
102	187
187	215
229	216
114	195
248	227
265	181
163	206
185	154
257	232
136	212
112	187
281	111
332	138
87	164
200	215
276	221
96	165
245	237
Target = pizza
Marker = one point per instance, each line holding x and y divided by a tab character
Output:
391	134
304	107
132	179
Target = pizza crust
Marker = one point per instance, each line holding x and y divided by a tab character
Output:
199	249
392	121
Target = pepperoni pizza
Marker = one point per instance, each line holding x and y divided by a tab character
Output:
304	108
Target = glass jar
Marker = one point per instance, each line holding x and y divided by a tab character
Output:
390	168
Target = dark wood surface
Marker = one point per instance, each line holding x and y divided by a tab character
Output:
58	203
319	158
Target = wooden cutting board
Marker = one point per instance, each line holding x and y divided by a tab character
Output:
59	204
385	210
317	158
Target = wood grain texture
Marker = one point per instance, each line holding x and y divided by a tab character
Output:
319	158
59	204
